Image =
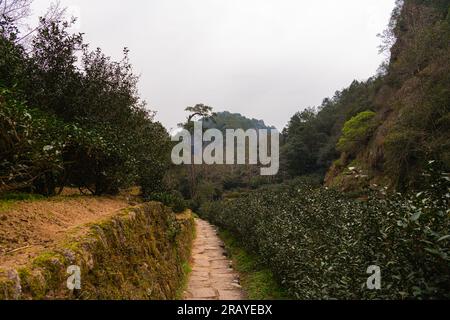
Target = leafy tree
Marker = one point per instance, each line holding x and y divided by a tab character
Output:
199	110
356	132
54	80
13	63
71	123
311	137
31	144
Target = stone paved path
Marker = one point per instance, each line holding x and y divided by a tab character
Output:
212	277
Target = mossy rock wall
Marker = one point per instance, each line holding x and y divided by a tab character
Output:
137	254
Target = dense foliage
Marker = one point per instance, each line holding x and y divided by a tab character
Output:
416	93
31	144
356	132
311	137
71	116
320	244
201	183
410	97
226	120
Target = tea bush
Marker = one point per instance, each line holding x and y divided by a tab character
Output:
320	244
173	200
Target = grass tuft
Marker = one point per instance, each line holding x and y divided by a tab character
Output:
257	280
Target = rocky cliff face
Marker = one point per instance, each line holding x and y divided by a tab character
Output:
412	103
137	254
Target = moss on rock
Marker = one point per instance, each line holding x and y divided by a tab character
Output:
137	254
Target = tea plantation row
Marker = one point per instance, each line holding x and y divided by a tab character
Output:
320	244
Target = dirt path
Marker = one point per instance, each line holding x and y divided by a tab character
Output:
212	277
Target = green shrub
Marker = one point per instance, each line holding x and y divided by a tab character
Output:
356	131
173	200
31	144
319	244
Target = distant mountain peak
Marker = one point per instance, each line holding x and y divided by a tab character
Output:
227	120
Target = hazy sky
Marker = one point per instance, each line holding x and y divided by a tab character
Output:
266	59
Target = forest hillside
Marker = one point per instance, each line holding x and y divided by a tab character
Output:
391	125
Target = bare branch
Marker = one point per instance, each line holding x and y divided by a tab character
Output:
15	10
54	13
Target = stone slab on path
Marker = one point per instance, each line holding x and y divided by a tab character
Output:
212	276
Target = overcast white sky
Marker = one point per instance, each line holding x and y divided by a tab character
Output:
266	59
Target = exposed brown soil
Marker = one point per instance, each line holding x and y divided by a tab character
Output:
29	227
